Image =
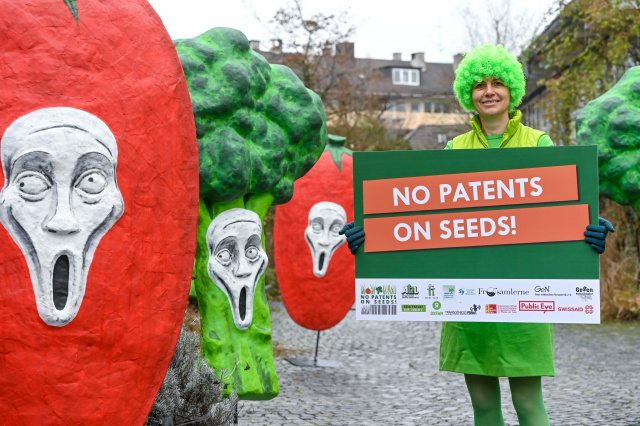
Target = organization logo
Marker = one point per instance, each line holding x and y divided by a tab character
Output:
500	309
537	306
540	290
449	291
437	305
414	308
410	292
492	291
570	309
467	291
585	293
588	309
473	310
378	295
431	292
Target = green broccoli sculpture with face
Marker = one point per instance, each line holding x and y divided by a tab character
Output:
259	129
612	121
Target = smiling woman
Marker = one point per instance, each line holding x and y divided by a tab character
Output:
490	81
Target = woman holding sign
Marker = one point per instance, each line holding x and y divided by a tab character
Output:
490	82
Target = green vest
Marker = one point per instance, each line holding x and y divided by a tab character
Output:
516	135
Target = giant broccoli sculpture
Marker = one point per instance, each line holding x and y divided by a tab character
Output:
612	122
259	129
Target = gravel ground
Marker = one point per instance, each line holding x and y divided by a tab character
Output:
388	374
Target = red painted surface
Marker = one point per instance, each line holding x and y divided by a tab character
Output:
312	302
119	64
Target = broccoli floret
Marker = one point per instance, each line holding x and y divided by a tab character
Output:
612	121
259	129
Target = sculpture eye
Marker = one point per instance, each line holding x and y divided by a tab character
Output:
251	252
316	227
33	184
335	229
92	182
223	256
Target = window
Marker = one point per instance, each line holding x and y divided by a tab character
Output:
401	107
406	76
442	138
415	106
428	107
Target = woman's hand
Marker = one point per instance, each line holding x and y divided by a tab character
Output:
597	234
354	234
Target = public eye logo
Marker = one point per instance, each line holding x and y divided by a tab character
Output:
449	291
410	292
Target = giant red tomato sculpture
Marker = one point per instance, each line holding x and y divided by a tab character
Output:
315	271
98	210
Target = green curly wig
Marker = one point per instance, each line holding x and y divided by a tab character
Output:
489	61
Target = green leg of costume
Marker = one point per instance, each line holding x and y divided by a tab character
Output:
485	398
526	393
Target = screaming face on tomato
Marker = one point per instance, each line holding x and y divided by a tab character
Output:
60	197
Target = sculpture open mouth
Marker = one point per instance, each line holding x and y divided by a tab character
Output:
321	261
61	282
242	303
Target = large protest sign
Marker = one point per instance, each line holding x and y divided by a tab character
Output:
477	235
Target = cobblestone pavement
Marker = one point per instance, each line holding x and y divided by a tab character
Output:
389	376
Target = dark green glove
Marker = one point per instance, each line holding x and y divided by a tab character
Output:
354	234
597	234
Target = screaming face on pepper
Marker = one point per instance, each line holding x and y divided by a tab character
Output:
60	197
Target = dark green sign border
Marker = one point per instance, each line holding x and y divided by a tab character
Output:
558	260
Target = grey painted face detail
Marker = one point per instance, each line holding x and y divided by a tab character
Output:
237	260
60	197
325	220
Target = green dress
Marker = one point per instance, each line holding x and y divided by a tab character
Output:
498	349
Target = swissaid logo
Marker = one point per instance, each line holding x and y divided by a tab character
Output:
570	309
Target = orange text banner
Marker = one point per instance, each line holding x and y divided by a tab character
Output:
478	228
465	190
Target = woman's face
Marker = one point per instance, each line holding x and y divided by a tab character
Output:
491	97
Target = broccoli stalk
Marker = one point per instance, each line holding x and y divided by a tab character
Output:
259	129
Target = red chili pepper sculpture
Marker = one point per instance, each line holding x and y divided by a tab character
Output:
99	219
316	272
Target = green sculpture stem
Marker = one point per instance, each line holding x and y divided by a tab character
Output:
259	204
252	374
